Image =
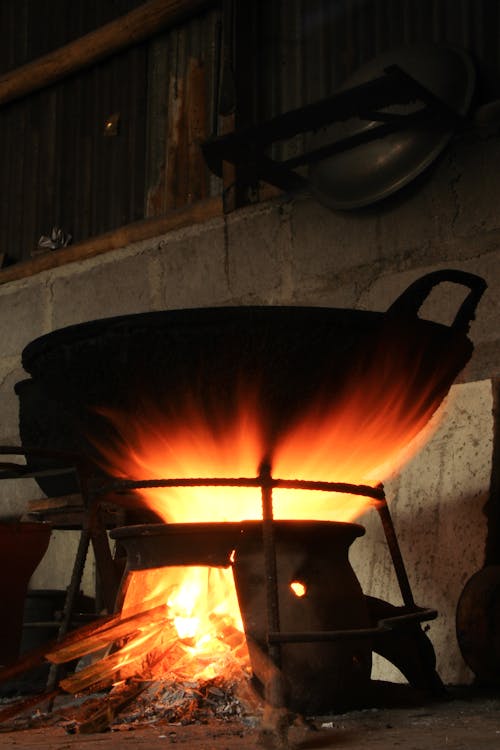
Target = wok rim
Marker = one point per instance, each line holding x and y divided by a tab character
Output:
79	333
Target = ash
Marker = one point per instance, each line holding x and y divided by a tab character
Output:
184	702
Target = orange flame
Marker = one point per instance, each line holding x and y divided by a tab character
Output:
359	434
360	438
203	613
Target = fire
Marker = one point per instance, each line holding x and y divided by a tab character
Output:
362	440
359	434
203	616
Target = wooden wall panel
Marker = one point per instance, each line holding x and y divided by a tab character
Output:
57	166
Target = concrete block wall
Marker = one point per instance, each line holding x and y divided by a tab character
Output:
295	251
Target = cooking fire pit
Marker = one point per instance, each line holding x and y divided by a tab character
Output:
296	575
312	554
311	652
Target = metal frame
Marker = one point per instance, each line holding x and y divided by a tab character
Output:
412	616
94	531
247	146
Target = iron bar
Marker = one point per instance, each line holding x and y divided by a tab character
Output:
365	101
275	694
273	618
264	480
116	485
395	551
70	600
383	626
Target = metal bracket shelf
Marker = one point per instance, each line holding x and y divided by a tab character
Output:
247	147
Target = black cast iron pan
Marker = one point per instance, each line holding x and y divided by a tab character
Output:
289	357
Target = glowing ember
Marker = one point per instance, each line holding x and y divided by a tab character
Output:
298	588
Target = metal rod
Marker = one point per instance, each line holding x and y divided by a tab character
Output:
395	551
70	600
274	686
383	626
117	485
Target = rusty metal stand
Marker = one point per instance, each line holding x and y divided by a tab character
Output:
392	620
395	551
275	693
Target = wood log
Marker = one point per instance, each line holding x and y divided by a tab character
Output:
35	657
112	705
74	641
134	27
104	671
103	637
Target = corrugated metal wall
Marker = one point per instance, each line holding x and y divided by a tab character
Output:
307	48
183	78
58	167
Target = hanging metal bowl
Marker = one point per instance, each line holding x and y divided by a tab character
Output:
370	171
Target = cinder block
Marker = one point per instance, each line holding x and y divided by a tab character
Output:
330	245
117	285
24	315
444	302
476	187
258	263
189	269
10	374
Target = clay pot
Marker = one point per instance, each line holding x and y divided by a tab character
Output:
318	676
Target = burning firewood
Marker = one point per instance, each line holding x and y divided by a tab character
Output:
104	636
104	671
35	657
110	707
196	676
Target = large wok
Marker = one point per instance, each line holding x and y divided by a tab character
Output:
289	356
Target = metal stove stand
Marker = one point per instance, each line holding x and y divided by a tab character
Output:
396	632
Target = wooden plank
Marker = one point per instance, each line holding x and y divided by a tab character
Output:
95	641
123	32
116	239
35	657
104	672
55	503
196	119
110	707
175	147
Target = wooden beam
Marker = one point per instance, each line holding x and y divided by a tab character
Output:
134	27
115	239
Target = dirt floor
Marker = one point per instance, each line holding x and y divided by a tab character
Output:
468	720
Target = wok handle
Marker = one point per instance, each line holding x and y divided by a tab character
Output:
410	302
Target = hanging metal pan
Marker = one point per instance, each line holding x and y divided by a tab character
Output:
373	170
